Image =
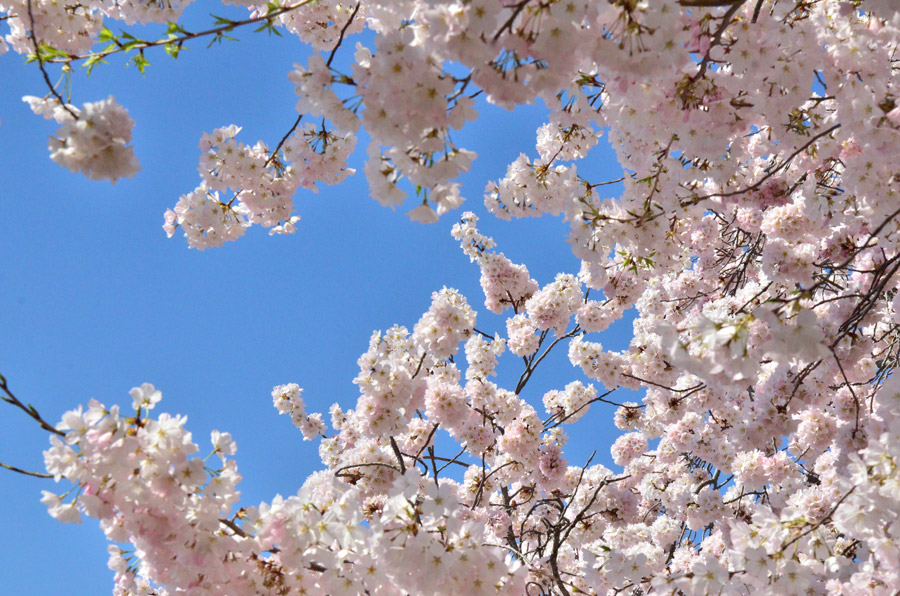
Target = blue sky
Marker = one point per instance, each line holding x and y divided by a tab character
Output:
94	299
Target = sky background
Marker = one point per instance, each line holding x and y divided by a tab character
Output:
94	299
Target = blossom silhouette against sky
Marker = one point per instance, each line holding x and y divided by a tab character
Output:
97	300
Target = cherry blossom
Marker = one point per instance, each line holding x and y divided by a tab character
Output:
753	240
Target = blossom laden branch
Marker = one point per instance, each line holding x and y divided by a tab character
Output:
762	321
274	154
176	37
772	171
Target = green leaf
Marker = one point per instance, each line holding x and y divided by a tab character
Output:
173	29
268	27
223	21
172	49
140	62
93	61
106	35
47	52
128	46
219	36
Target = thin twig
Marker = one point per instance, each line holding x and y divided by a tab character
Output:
341	36
28	409
399	455
294	126
40	61
179	41
709	3
283	140
25	472
768	175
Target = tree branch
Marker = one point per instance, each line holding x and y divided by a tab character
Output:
178	41
28	409
25	472
40	61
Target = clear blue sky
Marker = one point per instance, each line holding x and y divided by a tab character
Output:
94	299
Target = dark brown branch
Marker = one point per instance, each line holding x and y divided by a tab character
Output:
756	10
768	175
179	41
552	422
234	527
532	365
716	40
283	140
341	471
820	522
341	36
709	3
334	50
28	409
516	11
397	451
24	472
40	61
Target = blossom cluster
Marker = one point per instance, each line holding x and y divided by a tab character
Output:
93	139
263	185
705	500
753	241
